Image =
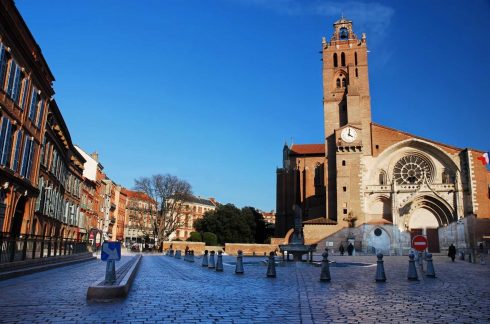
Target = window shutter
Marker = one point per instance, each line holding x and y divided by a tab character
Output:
8	146
16	90
3	64
24	93
18	142
3	132
33	106
25	156
41	112
11	78
31	156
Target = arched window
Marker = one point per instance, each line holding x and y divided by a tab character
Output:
344	82
342	59
382	177
335	63
338	83
355	58
446	177
357	73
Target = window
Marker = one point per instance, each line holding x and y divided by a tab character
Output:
344	33
344	83
335	63
343	162
342	59
40	115
25	170
411	170
357	73
382	178
18	143
34	105
344	189
338	83
3	64
355	58
345	211
25	93
5	141
13	85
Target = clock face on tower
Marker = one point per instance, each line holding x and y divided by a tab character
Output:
348	134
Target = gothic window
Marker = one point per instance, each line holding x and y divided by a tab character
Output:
446	177
344	82
342	59
382	177
335	63
411	169
338	83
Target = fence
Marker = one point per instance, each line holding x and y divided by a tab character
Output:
24	247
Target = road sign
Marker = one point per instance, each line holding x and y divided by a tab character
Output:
420	243
111	251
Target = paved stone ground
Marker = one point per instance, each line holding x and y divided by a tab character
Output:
170	290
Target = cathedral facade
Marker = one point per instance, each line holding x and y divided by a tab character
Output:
372	185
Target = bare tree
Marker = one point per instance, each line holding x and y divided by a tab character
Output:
170	193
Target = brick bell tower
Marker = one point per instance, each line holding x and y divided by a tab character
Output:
347	118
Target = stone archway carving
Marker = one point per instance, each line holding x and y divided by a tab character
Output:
443	212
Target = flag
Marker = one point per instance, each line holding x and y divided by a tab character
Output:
484	159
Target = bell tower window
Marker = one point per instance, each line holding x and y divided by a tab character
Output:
355	58
338	83
344	82
344	33
335	63
342	59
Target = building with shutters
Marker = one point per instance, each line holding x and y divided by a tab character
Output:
372	185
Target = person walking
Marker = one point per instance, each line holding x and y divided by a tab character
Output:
341	249
452	252
350	249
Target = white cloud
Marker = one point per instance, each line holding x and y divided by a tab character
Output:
372	17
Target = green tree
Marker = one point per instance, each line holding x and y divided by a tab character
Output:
195	237
210	238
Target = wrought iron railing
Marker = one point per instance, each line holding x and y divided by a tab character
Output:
24	247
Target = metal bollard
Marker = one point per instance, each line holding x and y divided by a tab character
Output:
219	262
325	273
211	261
239	263
205	259
177	254
271	267
172	253
191	256
380	269
412	271
430	266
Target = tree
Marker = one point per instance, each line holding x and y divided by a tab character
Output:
195	237
170	193
232	225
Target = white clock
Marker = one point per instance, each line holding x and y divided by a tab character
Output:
348	134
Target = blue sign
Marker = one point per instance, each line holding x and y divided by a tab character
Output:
111	251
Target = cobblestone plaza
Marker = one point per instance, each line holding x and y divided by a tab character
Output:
171	290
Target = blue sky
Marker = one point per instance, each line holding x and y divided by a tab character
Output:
209	90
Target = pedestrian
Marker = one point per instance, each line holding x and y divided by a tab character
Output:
350	248
341	249
452	252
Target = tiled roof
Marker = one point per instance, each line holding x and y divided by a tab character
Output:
308	148
202	201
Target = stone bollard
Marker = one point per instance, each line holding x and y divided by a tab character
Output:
412	271
482	258
430	266
461	255
177	254
325	273
239	263
211	260
172	252
205	259
191	256
219	262
271	267
469	257
186	255
380	269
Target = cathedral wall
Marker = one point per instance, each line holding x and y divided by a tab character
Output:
384	137
481	182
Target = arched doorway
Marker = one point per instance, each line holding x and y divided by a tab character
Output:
425	214
16	225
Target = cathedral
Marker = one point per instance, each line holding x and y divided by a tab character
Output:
372	185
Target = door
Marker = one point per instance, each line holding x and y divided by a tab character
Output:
433	239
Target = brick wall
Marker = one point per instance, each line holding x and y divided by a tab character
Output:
249	249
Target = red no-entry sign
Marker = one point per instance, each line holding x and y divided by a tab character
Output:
419	243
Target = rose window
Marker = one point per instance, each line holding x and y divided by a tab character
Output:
411	169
